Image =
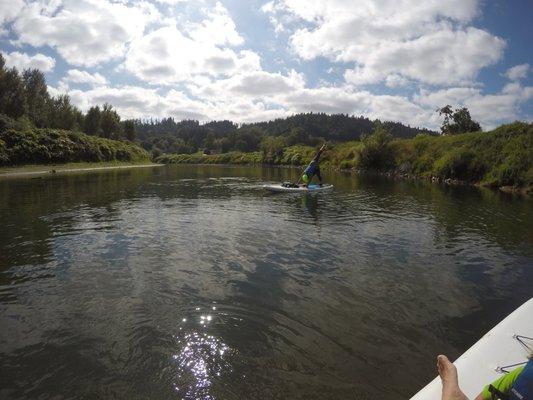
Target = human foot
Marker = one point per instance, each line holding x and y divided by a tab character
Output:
450	383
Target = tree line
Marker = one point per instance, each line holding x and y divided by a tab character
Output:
189	136
24	95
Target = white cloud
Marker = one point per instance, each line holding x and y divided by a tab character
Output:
217	28
426	41
254	85
77	76
169	55
84	32
9	9
442	58
171	2
22	61
518	72
395	80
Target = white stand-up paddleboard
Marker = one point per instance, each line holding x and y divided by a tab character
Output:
507	344
278	187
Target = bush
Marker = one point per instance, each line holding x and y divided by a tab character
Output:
347	164
455	164
4	158
57	146
513	171
272	148
376	152
6	123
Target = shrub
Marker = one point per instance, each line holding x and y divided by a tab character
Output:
6	123
57	146
513	171
455	164
376	152
272	148
4	158
347	164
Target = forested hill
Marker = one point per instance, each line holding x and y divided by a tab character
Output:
188	136
336	127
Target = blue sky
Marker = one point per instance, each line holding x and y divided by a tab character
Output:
249	60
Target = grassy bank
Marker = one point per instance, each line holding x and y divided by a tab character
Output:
502	157
46	146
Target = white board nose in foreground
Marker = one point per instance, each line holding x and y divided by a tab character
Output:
500	347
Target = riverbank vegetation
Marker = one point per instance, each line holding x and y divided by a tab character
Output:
44	146
36	128
502	157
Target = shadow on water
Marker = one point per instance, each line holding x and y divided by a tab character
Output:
191	282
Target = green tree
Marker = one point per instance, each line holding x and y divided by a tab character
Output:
110	122
272	148
37	97
376	152
63	115
129	130
92	121
297	135
458	121
12	94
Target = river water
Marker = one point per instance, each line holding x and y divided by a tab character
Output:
190	282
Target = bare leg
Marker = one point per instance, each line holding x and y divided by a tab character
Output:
450	383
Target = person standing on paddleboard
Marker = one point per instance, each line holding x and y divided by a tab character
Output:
313	169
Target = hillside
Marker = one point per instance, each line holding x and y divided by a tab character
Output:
189	136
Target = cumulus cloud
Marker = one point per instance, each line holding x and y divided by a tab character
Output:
84	32
169	55
441	58
171	2
518	72
217	28
166	56
422	41
253	86
9	9
77	76
22	61
395	80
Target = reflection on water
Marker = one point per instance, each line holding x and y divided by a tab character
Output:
199	361
191	282
202	357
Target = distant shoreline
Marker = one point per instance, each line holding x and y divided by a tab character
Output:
395	175
38	170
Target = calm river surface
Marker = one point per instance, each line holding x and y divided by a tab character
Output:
191	282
